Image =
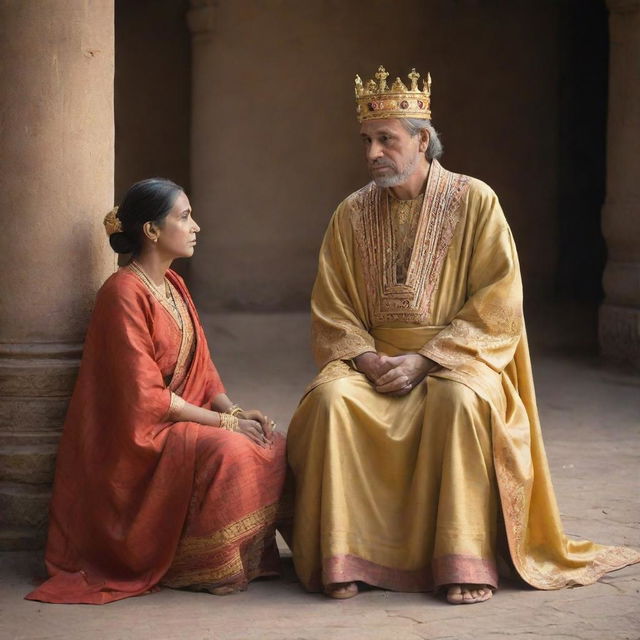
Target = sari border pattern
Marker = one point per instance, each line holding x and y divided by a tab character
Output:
175	405
183	320
187	345
235	550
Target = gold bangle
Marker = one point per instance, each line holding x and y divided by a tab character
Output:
228	422
234	410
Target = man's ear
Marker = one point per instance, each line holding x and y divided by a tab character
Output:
424	140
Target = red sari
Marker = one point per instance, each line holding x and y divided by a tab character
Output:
139	499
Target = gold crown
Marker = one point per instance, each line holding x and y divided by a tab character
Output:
375	100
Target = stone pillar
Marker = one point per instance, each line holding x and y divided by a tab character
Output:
619	326
56	185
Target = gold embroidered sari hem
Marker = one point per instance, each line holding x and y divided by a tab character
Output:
236	554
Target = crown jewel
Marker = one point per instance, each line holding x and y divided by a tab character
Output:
375	100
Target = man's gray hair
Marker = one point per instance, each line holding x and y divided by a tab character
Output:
415	125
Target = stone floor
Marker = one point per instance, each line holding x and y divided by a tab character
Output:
591	421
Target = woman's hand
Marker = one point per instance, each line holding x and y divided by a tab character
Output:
251	424
268	426
253	430
253	414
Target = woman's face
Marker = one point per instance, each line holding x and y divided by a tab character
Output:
177	235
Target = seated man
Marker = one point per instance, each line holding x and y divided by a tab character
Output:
418	446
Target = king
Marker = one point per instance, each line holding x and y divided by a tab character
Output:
416	451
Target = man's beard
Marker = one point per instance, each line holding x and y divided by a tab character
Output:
401	177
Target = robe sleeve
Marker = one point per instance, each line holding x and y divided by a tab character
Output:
488	327
338	329
132	378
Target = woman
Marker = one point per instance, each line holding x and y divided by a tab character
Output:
160	478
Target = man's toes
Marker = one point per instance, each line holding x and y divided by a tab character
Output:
342	590
481	595
454	594
487	594
468	595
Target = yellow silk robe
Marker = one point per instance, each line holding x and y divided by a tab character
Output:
417	492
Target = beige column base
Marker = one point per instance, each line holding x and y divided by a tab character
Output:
35	383
619	333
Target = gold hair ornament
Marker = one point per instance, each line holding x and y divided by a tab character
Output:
112	223
376	100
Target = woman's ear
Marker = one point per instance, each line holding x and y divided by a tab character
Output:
151	231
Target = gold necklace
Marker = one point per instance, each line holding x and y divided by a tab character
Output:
166	296
148	280
169	293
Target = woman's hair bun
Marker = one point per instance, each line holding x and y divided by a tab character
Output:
146	201
121	243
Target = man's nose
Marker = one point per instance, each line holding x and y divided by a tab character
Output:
374	151
196	227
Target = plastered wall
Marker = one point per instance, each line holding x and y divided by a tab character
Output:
275	143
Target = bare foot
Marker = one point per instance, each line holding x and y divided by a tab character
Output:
224	590
468	593
341	590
